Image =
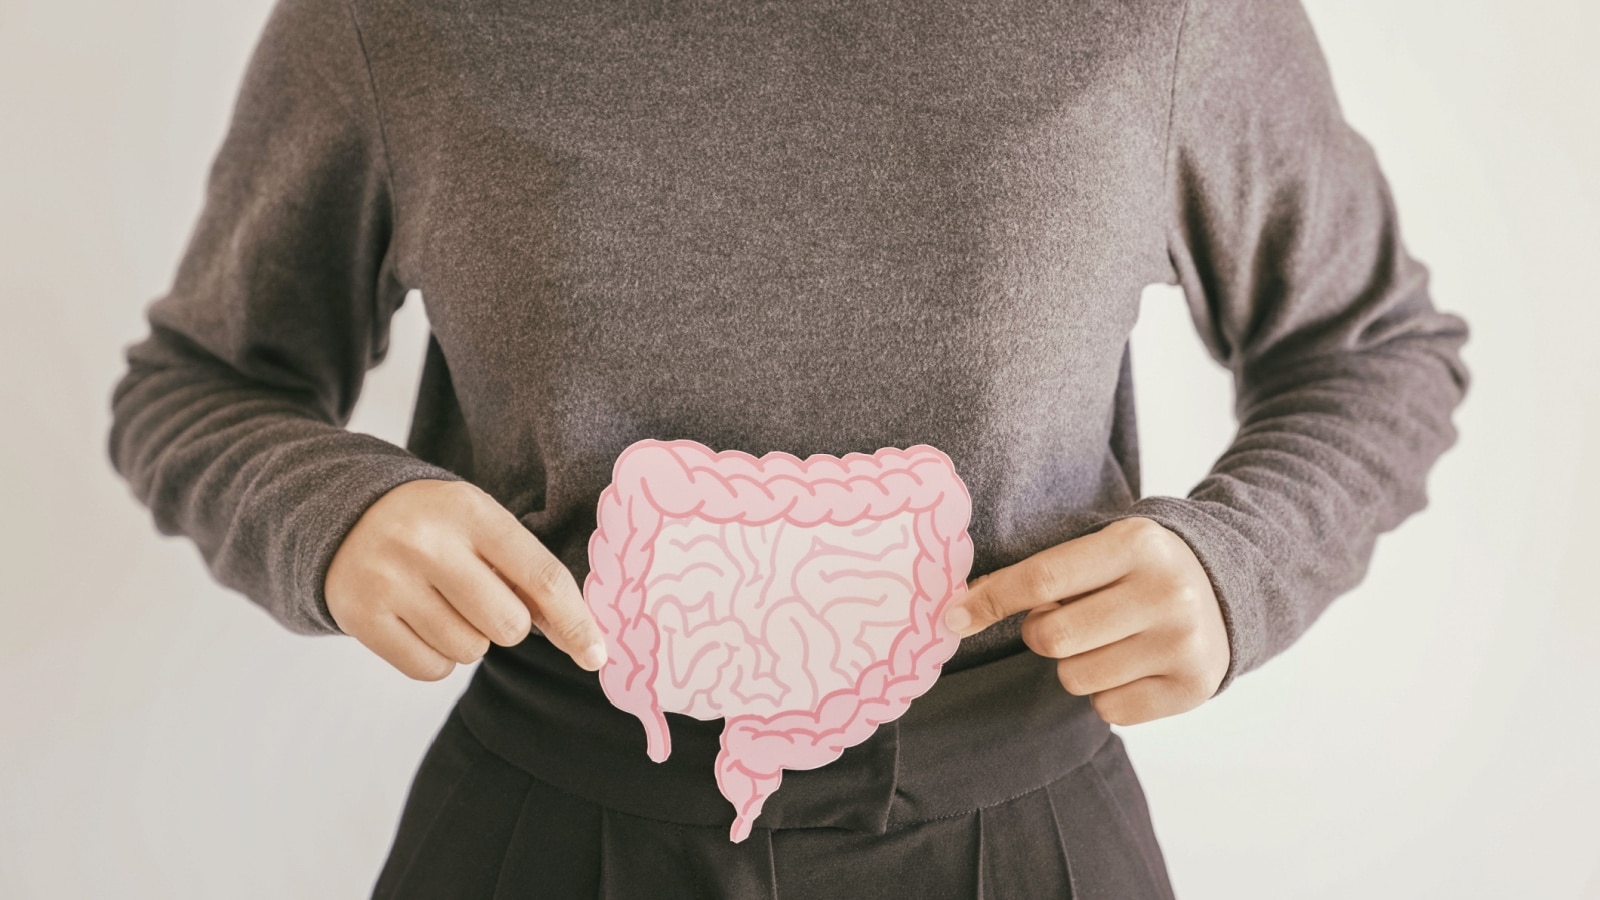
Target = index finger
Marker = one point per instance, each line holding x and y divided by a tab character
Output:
1060	572
524	561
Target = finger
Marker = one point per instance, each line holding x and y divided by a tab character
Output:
531	569
1148	698
1056	573
1110	667
1093	620
398	645
478	592
446	630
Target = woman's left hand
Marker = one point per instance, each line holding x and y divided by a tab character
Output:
1128	612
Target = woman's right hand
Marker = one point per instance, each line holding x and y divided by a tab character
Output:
435	570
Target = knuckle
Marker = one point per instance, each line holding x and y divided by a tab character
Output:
355	614
1145	537
1181	693
379	585
350	574
1043	582
1191	692
414	535
1108	707
473	649
545	574
476	505
1188	599
1054	638
437	551
475	493
353	622
985	608
574	625
1118	709
1033	634
429	669
483	513
1072	680
1191	645
1126	528
513	628
1040	642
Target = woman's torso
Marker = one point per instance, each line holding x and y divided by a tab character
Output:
816	227
811	227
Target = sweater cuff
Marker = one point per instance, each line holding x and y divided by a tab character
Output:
348	486
1229	559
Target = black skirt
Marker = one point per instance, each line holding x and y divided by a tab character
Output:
997	783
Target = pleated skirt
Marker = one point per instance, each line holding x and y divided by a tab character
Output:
481	824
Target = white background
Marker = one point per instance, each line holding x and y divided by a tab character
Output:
1434	735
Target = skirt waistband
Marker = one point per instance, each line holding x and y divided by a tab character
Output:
980	736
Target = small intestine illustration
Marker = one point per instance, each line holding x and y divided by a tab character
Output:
800	600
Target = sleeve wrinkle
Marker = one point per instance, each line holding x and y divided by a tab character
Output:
228	422
1283	234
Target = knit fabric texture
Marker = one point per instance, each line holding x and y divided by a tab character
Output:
812	226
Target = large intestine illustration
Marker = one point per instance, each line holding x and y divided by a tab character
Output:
800	600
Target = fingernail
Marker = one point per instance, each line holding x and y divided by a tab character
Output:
593	656
957	617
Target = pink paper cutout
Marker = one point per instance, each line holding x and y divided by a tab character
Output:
763	565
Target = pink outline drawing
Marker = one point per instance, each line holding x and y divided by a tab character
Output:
653	481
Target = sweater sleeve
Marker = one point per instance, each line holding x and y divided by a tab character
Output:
1284	237
228	423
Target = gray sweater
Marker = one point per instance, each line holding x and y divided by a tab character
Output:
815	226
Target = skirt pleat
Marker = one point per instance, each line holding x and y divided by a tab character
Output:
1023	856
457	824
1104	827
555	847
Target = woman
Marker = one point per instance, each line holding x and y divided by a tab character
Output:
814	227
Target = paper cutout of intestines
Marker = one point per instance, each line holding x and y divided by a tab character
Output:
801	600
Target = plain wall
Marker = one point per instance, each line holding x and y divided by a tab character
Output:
1433	735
